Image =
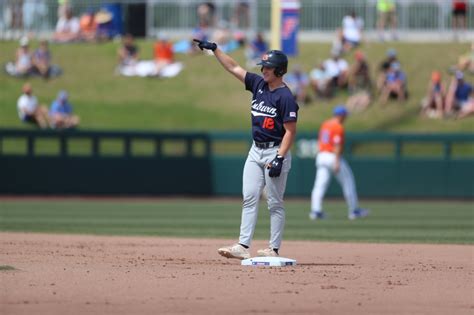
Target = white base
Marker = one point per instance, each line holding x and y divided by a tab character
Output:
269	262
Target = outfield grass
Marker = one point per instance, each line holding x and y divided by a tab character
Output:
203	97
396	221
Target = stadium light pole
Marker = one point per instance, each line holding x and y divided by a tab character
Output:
276	25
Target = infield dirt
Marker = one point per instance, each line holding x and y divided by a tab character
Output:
74	274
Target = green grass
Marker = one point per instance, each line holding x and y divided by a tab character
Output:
396	221
204	97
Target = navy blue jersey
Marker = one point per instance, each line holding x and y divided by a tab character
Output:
270	109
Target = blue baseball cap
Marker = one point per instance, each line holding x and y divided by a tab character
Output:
340	110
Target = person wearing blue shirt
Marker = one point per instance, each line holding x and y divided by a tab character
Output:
460	94
61	112
395	85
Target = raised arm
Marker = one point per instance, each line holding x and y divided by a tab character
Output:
225	60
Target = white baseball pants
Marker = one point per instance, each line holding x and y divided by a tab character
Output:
325	164
255	178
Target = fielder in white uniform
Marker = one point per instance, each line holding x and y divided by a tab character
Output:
329	161
274	115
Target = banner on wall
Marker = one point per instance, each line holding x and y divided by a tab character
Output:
290	20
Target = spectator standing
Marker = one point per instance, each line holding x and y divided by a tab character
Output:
23	58
386	15
320	81
395	84
298	83
68	28
352	26
330	161
29	110
433	103
459	12
61	112
459	94
42	59
128	52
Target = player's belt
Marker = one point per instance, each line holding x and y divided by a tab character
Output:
266	145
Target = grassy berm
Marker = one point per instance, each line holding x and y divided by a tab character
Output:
204	97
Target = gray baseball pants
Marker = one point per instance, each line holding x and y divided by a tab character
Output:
255	178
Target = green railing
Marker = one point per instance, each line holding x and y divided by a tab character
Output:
211	164
103	162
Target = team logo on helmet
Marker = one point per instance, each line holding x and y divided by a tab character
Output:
265	57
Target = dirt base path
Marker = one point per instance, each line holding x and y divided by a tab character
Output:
72	274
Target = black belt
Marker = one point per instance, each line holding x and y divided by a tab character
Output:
266	145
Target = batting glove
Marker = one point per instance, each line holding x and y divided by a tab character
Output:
205	44
275	166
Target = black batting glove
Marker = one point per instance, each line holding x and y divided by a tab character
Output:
203	44
275	166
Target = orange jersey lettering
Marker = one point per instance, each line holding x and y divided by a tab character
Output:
330	135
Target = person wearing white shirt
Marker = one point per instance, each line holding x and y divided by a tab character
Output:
29	110
352	31
68	28
320	81
337	68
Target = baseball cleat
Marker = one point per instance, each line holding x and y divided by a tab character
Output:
316	215
267	252
236	251
358	213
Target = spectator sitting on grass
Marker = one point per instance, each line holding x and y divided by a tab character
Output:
395	84
298	83
352	31
391	56
128	52
320	81
460	94
359	73
42	59
61	113
338	69
360	84
433	104
88	26
23	59
68	28
163	52
29	110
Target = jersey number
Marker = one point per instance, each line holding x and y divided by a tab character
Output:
325	136
268	123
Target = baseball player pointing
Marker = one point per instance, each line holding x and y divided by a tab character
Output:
274	115
330	161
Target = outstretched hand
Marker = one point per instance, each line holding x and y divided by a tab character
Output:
203	44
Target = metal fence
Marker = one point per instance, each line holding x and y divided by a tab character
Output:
39	16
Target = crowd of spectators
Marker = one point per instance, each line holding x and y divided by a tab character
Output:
59	116
345	71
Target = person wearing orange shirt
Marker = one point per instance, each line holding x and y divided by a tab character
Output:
330	161
163	53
